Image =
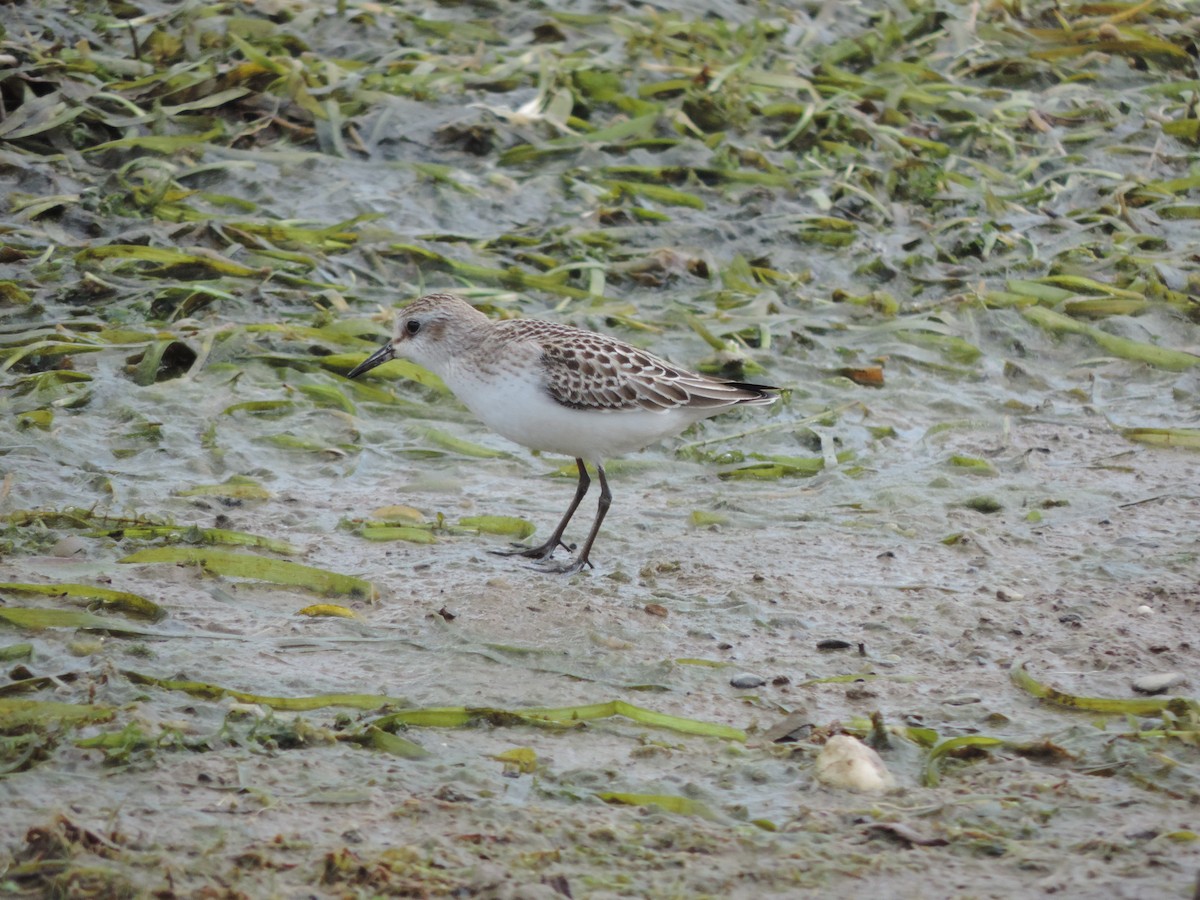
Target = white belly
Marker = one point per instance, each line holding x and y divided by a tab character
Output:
523	412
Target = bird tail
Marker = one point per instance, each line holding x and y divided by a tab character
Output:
755	394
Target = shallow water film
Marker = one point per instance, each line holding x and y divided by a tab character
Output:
926	627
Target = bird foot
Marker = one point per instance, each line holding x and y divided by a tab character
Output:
569	567
542	551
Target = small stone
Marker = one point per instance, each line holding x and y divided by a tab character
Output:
747	680
69	546
450	794
833	644
963	700
655	609
847	762
1144	610
1157	684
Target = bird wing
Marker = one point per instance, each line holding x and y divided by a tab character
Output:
586	371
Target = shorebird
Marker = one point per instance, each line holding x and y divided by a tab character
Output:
558	389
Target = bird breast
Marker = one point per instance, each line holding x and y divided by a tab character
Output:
516	404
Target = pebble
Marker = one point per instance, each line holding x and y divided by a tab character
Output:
963	700
834	644
1157	684
847	762
747	680
69	546
1144	610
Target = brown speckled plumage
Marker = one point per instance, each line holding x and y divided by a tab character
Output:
584	370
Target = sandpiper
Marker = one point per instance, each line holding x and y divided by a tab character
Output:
558	389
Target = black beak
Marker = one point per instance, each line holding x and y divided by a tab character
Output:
378	358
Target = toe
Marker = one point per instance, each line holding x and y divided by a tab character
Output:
570	567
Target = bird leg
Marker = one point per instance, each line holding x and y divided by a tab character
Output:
543	551
581	559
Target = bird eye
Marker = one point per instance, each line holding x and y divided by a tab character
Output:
412	326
